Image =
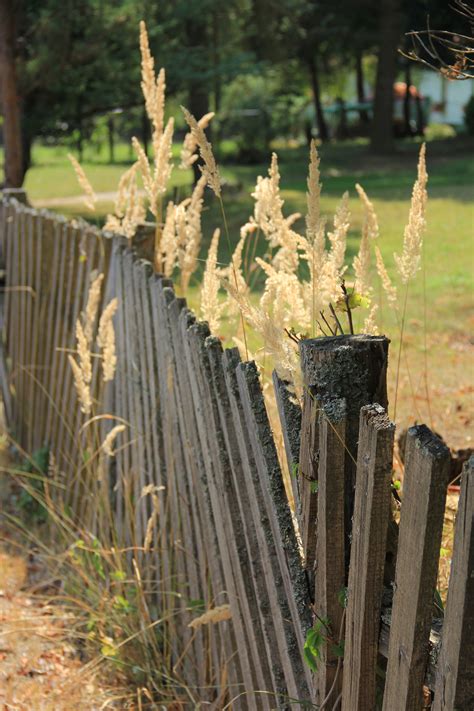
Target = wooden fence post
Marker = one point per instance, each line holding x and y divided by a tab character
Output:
330	548
290	420
369	535
350	367
424	496
455	678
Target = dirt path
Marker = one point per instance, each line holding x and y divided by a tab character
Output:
72	200
39	667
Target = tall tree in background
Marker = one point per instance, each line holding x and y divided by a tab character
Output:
390	29
9	100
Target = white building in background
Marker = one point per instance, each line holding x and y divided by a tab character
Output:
447	98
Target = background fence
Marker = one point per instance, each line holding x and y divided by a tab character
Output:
331	605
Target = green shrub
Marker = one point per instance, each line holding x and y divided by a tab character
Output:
438	131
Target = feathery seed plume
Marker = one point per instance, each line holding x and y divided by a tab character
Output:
148	71
216	614
90	198
389	288
92	306
338	238
189	232
168	246
162	159
408	263
370	324
129	206
313	195
188	150
211	308
106	340
83	351
82	389
370	232
107	444
209	169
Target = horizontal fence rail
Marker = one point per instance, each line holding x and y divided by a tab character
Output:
330	600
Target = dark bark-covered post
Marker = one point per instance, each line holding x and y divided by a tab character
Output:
353	368
9	97
18	194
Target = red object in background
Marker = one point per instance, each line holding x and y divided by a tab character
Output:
400	89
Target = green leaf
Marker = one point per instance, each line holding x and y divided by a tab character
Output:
355	300
118	575
338	649
122	603
342	597
310	659
312	645
295	470
314	487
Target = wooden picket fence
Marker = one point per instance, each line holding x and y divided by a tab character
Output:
332	605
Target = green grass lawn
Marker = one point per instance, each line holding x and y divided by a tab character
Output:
447	288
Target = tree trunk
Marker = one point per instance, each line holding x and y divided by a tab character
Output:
111	138
382	139
9	99
198	90
407	100
321	121
363	115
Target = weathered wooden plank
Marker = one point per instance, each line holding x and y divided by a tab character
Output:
349	367
4	374
237	513
22	256
57	318
13	291
196	334
194	583
51	271
123	456
241	669
285	558
63	383
35	341
29	327
369	534
178	464
144	503
330	548
425	485
289	412
133	386
455	668
258	538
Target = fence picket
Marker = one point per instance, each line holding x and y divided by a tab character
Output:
455	680
369	534
285	559
330	549
425	485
